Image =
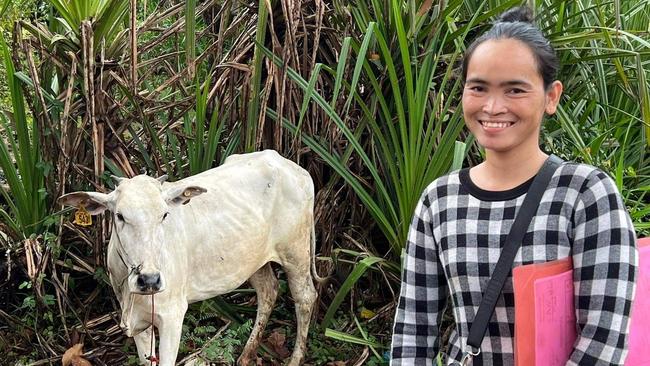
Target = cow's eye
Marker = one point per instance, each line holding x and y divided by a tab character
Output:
120	217
165	216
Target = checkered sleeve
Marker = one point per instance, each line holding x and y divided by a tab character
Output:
605	265
422	297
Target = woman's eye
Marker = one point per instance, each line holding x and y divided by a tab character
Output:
477	88
119	216
516	91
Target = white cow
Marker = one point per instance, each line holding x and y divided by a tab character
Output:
204	236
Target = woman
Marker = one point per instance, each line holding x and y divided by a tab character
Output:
463	218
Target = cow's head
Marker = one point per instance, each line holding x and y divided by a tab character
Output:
141	206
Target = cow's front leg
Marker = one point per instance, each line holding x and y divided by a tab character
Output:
145	342
170	326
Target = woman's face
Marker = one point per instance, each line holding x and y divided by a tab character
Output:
504	99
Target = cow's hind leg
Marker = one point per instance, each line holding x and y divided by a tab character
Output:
266	287
304	295
143	342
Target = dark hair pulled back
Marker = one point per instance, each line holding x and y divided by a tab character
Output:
517	23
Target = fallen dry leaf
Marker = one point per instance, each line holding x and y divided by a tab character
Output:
72	357
277	341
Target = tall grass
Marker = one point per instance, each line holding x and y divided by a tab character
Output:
201	144
604	116
400	79
20	161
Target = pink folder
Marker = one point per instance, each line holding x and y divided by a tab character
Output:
545	324
638	354
555	319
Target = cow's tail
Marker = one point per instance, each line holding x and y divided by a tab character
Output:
315	275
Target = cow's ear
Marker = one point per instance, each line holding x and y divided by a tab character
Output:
182	195
94	202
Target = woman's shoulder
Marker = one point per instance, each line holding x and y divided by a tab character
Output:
580	176
443	186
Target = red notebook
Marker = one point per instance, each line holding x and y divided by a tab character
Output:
550	281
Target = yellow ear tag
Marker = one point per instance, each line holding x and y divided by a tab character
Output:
82	217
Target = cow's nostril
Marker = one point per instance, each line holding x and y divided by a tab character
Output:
154	281
140	281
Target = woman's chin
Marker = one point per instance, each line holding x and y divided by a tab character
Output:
495	146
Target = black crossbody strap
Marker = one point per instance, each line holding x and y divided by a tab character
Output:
508	253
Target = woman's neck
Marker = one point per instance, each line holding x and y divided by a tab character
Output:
502	171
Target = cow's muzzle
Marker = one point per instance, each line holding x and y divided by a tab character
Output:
149	283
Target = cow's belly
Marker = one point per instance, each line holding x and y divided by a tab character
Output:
222	279
219	267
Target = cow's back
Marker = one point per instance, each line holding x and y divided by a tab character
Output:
294	181
265	176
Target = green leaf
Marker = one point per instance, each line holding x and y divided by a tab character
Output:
359	269
345	337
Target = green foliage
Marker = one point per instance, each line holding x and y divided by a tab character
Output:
321	351
214	346
258	58
10	12
4	6
350	331
107	16
604	116
402	83
202	145
225	348
359	269
21	162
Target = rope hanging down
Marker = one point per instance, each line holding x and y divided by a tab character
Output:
153	359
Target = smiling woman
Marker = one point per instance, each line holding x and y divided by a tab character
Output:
462	221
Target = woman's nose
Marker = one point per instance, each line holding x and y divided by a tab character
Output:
494	105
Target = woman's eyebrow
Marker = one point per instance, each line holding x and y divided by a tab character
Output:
514	82
476	81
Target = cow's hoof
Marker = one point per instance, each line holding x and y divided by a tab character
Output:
244	360
295	361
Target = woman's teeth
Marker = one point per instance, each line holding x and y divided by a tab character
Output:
495	124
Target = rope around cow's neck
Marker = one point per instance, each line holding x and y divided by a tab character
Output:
152	358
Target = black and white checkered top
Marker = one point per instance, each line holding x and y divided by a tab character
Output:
455	241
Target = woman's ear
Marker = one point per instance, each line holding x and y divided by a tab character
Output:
553	94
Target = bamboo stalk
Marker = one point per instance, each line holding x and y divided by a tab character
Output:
134	46
190	36
254	97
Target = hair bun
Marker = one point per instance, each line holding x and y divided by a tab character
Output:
517	14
